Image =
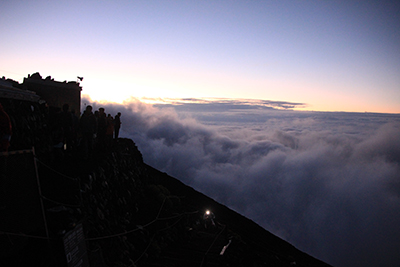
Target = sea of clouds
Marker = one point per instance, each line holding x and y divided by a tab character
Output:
327	182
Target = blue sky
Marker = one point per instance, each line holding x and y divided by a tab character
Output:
330	55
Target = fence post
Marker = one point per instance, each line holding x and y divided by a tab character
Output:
40	194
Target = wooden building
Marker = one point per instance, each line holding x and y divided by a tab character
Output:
55	93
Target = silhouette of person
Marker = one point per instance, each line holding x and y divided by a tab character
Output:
109	131
101	128
88	126
117	124
209	219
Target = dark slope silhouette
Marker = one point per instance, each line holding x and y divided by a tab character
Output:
251	245
132	214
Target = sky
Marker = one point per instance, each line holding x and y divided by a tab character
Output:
230	97
326	182
327	55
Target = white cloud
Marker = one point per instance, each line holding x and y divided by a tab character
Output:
326	182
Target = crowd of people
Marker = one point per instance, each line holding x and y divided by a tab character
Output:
92	130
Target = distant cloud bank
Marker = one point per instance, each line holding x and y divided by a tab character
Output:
329	183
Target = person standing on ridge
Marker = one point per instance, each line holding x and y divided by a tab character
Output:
88	126
109	131
117	125
101	129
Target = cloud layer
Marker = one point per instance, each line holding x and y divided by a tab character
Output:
329	183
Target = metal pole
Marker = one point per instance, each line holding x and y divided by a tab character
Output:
40	194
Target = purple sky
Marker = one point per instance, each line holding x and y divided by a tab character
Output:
330	55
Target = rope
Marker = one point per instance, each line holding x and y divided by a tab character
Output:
141	227
152	239
24	151
131	231
171	225
178	215
63	175
59	203
25	235
159	210
16	152
110	236
148	246
212	244
59	173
